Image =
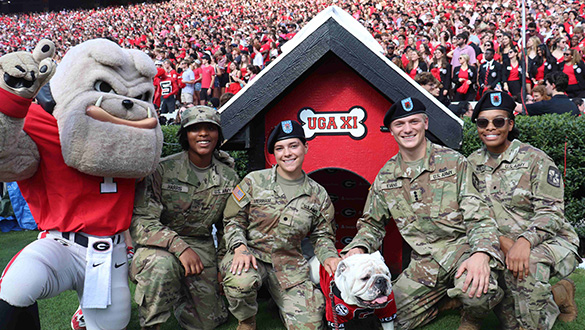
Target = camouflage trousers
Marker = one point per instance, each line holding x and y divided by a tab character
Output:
417	303
161	286
301	307
529	303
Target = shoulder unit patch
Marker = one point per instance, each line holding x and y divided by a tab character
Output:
554	176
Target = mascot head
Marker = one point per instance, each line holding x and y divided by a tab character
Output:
103	106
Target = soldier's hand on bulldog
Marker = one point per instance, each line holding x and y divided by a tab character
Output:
24	73
242	260
330	265
355	250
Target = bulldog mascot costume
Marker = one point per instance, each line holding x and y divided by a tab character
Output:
76	159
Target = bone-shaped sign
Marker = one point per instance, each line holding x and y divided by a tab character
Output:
334	123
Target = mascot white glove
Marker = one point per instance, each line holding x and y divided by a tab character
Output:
23	73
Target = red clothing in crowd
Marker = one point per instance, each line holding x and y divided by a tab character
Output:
568	69
207	73
540	72
514	74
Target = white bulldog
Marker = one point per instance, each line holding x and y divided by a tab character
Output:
363	284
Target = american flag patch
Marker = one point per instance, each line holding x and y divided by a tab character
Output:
238	193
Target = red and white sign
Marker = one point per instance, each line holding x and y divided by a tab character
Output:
334	123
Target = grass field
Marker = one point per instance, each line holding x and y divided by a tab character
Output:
56	312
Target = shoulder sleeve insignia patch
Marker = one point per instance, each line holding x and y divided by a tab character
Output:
554	177
238	193
475	181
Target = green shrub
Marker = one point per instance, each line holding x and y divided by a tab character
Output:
549	133
171	141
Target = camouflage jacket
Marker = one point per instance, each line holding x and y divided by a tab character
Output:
438	211
272	227
525	191
175	205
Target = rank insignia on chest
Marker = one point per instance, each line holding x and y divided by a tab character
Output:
238	193
416	195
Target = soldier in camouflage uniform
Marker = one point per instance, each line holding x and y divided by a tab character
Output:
266	218
176	263
426	189
525	191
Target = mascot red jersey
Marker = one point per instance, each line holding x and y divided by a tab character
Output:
76	159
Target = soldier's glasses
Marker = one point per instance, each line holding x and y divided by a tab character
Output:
498	122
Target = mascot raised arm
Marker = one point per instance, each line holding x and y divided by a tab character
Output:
76	156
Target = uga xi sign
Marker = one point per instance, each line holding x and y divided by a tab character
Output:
334	123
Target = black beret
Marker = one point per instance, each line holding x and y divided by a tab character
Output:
493	100
287	129
404	108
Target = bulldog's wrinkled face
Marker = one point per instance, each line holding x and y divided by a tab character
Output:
364	280
107	123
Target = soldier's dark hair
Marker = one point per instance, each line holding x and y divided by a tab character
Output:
514	133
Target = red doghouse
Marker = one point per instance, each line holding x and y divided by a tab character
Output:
334	80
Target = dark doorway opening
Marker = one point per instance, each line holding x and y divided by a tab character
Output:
348	192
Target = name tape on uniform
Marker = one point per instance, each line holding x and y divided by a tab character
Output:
221	191
515	166
391	185
175	187
443	174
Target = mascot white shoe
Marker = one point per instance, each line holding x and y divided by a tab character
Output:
76	160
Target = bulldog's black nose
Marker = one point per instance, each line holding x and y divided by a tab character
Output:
381	284
127	104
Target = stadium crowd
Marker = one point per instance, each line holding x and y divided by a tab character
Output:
209	48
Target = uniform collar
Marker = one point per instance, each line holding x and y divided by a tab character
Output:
506	157
187	175
304	189
428	163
